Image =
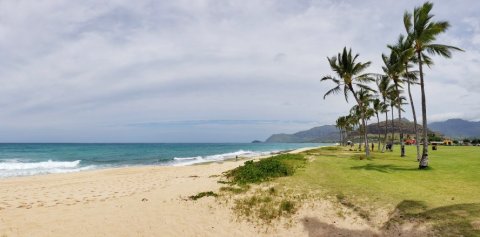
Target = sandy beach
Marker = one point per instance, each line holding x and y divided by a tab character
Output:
139	201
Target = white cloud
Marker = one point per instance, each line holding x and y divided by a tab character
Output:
80	66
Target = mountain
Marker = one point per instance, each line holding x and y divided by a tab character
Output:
457	128
407	127
325	133
454	128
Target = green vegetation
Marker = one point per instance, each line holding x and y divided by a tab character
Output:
351	79
445	196
266	169
203	194
415	47
265	206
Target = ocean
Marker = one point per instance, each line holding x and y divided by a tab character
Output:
24	159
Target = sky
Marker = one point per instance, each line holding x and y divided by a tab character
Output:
206	71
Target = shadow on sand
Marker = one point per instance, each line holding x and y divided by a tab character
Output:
411	218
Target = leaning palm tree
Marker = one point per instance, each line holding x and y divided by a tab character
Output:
369	113
398	104
378	107
423	32
352	123
393	69
366	97
384	89
351	78
412	79
396	101
404	48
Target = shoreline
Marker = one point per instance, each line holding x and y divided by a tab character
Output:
140	166
100	202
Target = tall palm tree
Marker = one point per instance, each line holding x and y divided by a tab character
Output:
379	107
341	124
413	80
366	97
351	77
393	69
404	48
392	97
396	101
398	104
352	121
384	89
423	32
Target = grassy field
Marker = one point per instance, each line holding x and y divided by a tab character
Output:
445	196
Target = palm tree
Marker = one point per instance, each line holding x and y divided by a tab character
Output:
384	89
393	69
378	107
404	47
341	124
352	122
396	101
423	32
366	97
392	97
350	73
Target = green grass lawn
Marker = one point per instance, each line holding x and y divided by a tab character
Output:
447	195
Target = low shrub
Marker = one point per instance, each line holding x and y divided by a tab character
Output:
265	169
287	206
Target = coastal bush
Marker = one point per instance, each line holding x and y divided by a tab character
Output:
265	169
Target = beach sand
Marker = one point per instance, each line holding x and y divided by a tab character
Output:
144	201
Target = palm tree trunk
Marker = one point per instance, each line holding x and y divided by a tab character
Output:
341	137
415	128
378	127
424	160
402	144
393	127
364	123
386	132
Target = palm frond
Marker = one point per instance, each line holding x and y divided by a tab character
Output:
440	49
326	78
334	90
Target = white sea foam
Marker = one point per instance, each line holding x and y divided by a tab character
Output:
15	165
182	161
13	168
187	158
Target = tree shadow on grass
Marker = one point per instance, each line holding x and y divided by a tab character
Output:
384	168
411	218
453	220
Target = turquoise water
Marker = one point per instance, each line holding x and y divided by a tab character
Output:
32	159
